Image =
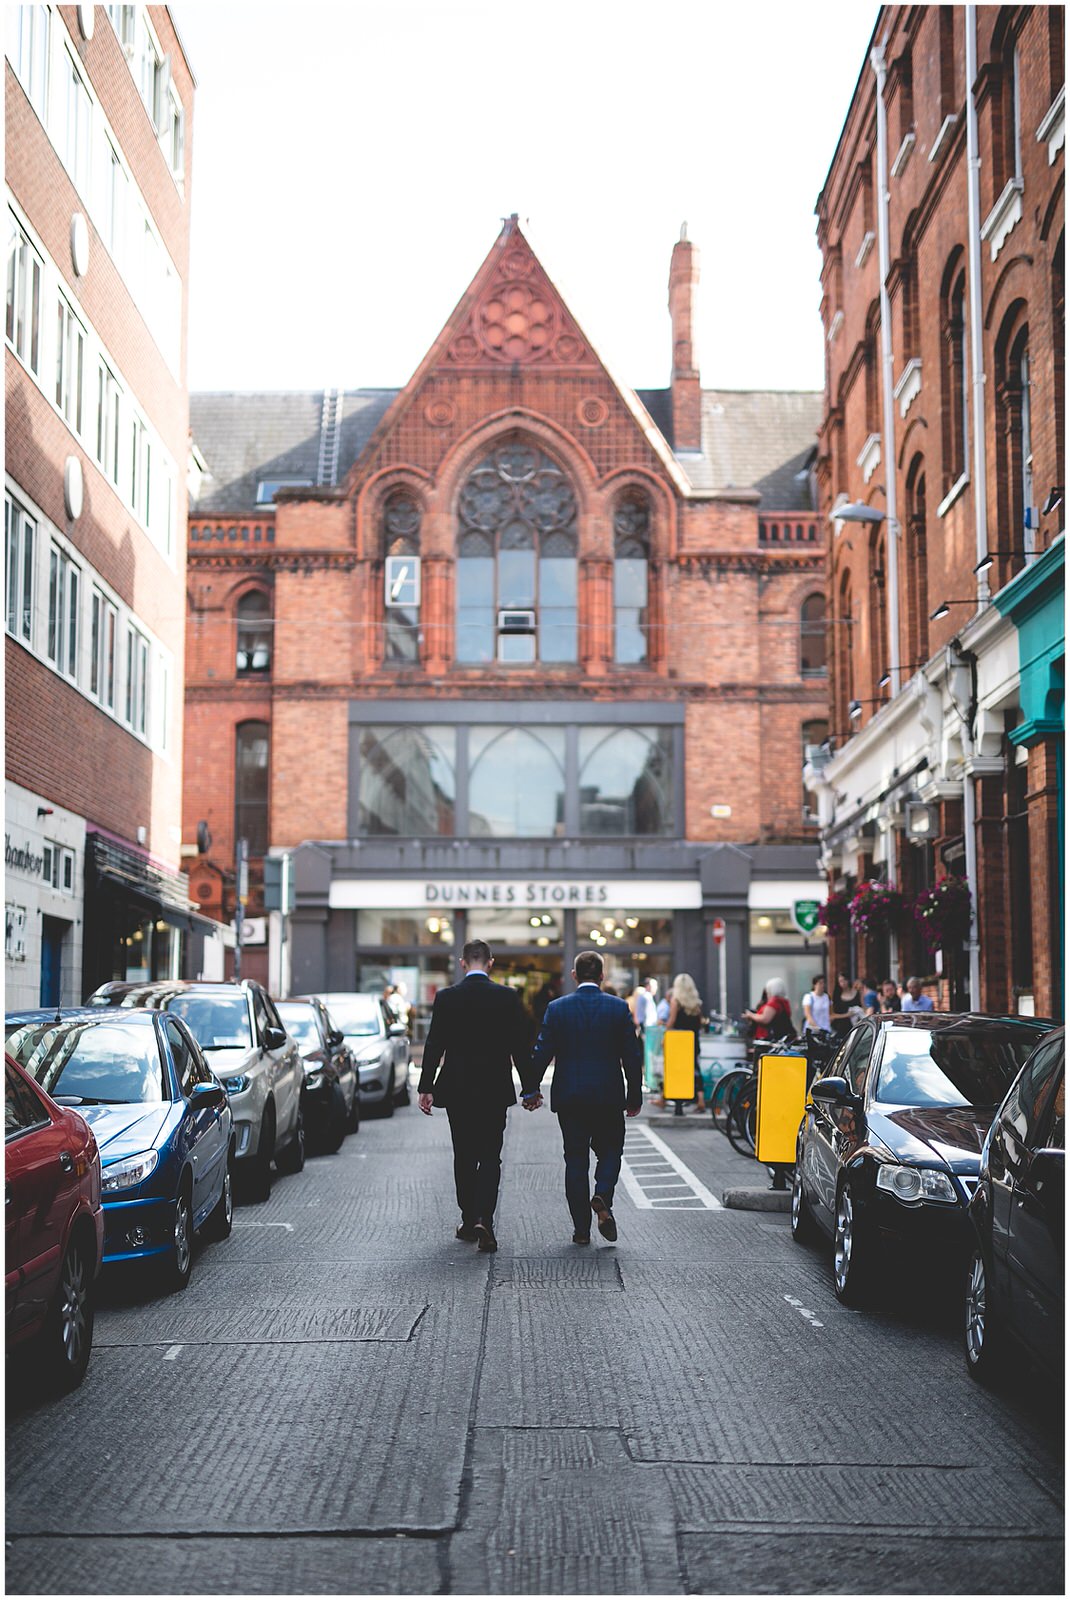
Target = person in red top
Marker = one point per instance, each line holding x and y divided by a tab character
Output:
772	1020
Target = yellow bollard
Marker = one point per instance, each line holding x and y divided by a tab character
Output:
781	1102
679	1053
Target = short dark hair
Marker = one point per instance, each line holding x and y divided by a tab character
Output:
589	967
477	951
820	978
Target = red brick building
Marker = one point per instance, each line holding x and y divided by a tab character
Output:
99	104
943	447
513	651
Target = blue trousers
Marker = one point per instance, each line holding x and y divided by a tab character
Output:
585	1128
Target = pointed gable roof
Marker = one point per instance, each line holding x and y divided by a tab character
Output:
512	316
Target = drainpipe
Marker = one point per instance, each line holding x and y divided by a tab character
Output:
887	374
977	354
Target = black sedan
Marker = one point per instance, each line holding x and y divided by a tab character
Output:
332	1086
890	1143
1014	1285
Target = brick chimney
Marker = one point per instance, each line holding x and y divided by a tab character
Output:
686	384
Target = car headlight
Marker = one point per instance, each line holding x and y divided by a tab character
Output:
912	1185
129	1172
235	1085
313	1079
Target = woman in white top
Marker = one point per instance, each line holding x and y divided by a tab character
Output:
817	1008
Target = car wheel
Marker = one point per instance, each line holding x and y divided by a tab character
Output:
68	1335
386	1104
852	1250
984	1341
334	1130
177	1264
292	1158
260	1165
803	1227
221	1217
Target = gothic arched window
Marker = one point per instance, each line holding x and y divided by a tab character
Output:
631	578
516	783
401	599
813	636
254	632
516	559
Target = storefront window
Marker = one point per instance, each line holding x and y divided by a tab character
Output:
626	781
516	926
407	781
779	950
608	930
391	929
516	783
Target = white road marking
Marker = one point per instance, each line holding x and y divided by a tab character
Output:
287	1225
649	1165
809	1316
173	1353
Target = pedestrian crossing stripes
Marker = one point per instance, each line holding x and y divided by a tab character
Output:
655	1179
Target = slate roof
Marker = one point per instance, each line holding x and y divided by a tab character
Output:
751	439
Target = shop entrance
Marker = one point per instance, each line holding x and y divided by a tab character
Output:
536	977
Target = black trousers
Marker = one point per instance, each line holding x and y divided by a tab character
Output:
585	1128
477	1133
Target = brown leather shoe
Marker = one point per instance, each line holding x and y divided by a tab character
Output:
467	1232
485	1234
606	1226
581	1238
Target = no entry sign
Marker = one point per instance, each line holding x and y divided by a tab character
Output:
718	927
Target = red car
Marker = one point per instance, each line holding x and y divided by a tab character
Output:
54	1227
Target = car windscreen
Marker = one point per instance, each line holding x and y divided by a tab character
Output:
300	1024
359	1017
946	1067
216	1021
90	1063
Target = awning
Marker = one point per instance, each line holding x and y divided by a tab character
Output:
142	882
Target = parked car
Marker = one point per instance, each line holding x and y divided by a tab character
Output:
250	1052
890	1143
1014	1283
381	1046
332	1086
160	1119
54	1228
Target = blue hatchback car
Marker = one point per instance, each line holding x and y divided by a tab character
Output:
160	1117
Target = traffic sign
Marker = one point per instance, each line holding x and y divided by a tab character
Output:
718	929
804	915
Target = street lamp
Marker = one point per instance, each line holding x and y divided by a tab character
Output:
944	607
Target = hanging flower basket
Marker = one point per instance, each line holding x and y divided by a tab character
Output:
943	913
834	916
875	908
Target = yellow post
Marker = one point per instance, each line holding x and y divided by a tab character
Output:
679	1053
781	1102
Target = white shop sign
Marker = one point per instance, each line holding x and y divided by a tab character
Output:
629	894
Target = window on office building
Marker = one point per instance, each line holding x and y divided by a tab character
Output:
75	120
401	597
70	364
631	578
28	52
103	626
255	628
137	680
108	402
516	566
407	784
64	600
626	781
25	273
20	540
813	636
252	746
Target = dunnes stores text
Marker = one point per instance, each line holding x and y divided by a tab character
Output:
643	894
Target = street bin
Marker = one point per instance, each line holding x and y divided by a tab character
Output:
678	1048
781	1102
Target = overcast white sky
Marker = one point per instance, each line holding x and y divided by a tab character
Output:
352	163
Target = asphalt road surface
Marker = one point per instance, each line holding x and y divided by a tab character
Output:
346	1400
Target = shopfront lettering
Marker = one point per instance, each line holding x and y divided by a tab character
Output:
22	860
533	893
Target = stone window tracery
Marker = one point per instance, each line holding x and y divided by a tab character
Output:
631	578
402	518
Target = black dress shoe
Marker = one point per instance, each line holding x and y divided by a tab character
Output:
485	1234
606	1226
467	1232
581	1238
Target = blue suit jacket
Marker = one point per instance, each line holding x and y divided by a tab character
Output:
591	1038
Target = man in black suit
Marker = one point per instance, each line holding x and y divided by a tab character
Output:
478	1030
591	1038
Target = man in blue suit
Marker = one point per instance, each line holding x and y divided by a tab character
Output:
591	1038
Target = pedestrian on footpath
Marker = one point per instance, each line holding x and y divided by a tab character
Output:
591	1038
914	999
478	1031
817	1008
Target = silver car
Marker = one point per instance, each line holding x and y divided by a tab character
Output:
252	1055
381	1046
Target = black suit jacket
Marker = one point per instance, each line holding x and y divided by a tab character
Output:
478	1030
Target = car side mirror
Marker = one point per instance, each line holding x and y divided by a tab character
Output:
398	1030
833	1092
336	1037
274	1038
208	1096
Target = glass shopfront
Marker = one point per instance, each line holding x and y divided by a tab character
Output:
779	950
